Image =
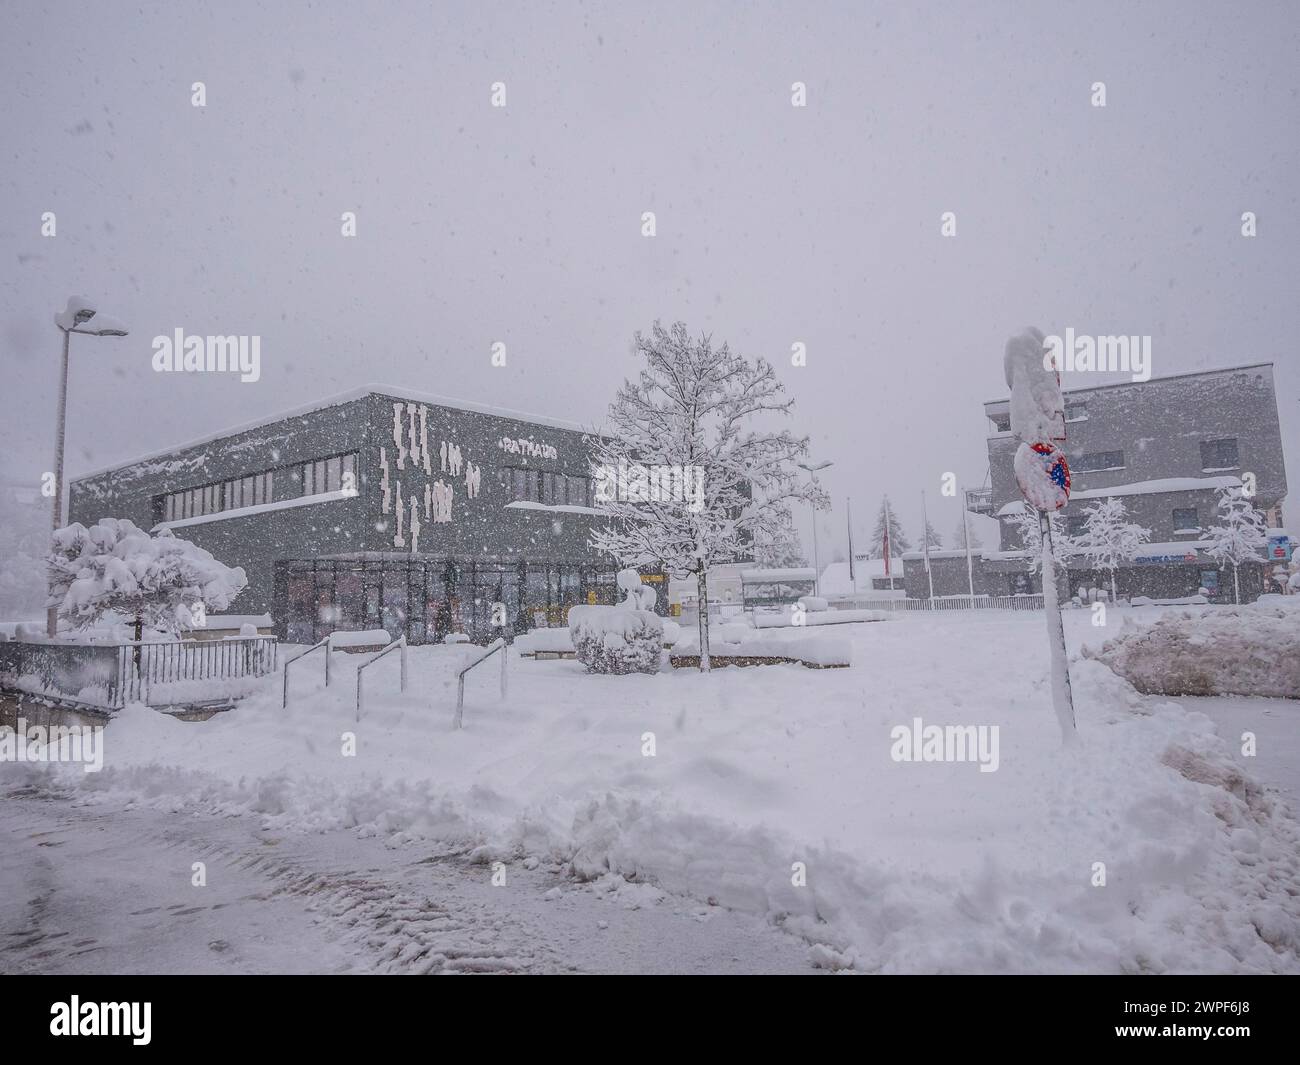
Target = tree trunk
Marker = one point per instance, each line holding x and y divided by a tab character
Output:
1113	594
139	636
702	591
1236	585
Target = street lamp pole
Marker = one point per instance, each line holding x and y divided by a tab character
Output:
79	317
817	565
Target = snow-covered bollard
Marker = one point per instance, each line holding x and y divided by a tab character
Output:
619	639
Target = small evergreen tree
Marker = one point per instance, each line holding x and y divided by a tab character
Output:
898	541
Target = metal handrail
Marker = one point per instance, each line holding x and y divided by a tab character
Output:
499	644
303	654
399	642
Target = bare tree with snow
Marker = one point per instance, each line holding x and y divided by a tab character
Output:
1031	537
115	567
680	472
1241	535
1109	538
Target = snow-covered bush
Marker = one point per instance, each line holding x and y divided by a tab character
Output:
619	639
115	567
1249	650
614	639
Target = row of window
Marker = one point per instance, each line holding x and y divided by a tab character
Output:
307	479
1185	520
1215	455
543	486
214	498
340	472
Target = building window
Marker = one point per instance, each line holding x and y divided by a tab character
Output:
1075	524
1185	520
215	498
1001	422
1076	410
1098	460
1218	455
327	475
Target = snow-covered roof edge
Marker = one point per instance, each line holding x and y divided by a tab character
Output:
336	400
1149	380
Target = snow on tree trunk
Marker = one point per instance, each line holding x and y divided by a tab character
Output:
702	590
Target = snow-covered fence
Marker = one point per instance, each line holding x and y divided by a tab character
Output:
85	674
107	676
398	644
194	671
948	602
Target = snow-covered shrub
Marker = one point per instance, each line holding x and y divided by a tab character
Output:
1248	650
614	639
672	632
114	567
814	602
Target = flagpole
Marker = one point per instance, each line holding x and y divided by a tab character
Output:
848	509
965	534
925	547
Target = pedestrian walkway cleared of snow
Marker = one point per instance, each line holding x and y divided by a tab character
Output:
780	792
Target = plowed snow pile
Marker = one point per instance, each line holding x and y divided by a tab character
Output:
1246	650
775	790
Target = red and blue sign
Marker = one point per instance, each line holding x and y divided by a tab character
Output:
1043	475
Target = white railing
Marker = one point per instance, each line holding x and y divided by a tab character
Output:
325	643
398	644
496	645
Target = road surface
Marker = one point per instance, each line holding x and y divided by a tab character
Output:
103	889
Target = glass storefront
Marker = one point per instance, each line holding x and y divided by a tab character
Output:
427	599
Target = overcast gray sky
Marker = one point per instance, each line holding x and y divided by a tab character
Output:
775	224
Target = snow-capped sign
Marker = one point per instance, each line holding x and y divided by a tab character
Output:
1043	475
1037	406
527	447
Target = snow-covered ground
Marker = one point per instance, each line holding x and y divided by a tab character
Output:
761	774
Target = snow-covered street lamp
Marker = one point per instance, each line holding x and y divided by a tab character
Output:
80	316
817	568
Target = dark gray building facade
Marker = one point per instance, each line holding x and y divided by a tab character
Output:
382	508
1165	447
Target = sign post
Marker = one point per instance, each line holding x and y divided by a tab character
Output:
1038	420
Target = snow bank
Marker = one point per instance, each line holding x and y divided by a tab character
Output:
545	640
361	638
791	645
829	617
909	867
1249	650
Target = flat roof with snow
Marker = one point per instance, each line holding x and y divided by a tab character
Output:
432	399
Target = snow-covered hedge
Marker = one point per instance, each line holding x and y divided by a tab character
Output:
553	640
790	645
614	639
1248	650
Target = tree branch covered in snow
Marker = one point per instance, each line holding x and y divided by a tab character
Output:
686	419
115	567
1109	538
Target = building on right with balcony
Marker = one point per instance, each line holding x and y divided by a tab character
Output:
1165	447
